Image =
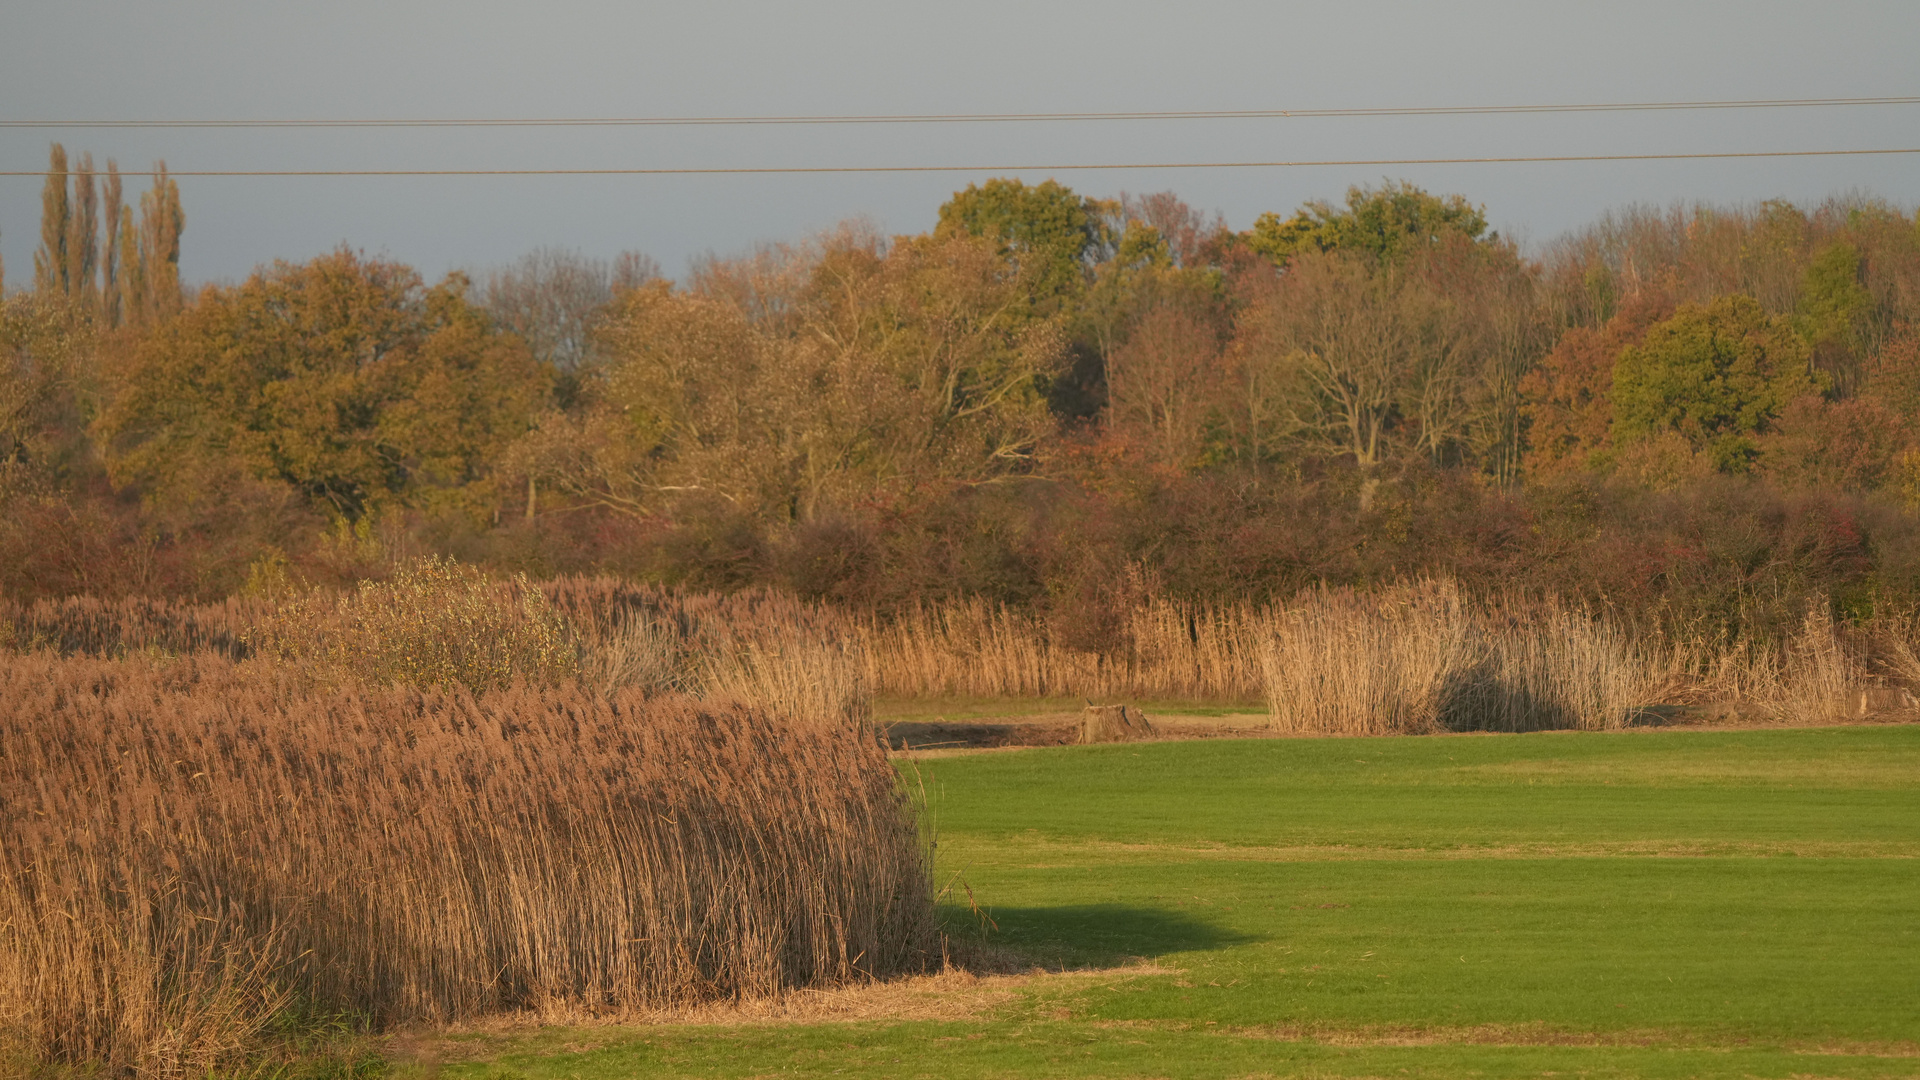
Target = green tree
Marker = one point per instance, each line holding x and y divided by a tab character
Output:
1390	222
343	377
1834	308
1047	228
1716	375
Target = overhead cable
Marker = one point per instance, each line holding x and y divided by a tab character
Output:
973	118
789	170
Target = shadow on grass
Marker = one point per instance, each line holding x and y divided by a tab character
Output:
1099	934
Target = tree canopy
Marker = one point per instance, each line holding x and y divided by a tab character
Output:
1045	226
1389	222
1716	374
344	377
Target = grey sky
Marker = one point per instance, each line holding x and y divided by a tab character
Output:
232	60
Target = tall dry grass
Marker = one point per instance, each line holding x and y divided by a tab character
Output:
186	847
88	626
970	647
1816	675
436	623
803	660
1424	658
1399	659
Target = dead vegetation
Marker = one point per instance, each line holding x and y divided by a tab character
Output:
1421	657
448	797
441	797
972	648
190	847
1424	658
802	660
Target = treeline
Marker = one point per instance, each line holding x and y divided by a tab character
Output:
1699	414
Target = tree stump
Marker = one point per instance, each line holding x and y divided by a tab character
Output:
1113	723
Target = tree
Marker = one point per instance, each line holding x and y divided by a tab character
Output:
65	264
133	271
1184	230
553	297
1349	355
44	342
111	310
1390	222
1834	446
1716	374
1334	337
944	321
83	237
1047	228
158	249
50	263
343	378
1164	382
138	280
1893	372
1486	331
1569	396
1833	310
795	381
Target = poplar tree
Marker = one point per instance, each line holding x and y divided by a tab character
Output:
161	221
110	307
50	262
133	272
83	235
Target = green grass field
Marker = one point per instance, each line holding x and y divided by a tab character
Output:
1740	904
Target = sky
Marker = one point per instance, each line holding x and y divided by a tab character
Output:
486	59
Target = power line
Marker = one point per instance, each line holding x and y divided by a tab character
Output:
842	169
984	118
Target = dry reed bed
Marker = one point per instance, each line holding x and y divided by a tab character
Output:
1419	657
973	648
1423	658
436	623
186	847
805	660
87	626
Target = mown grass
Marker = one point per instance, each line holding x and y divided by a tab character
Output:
1646	904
